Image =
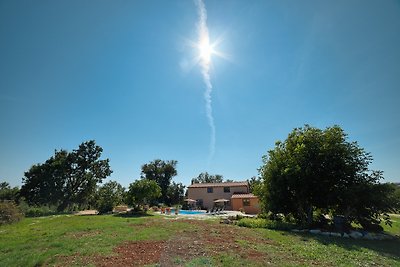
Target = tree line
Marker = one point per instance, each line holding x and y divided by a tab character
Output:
73	181
311	174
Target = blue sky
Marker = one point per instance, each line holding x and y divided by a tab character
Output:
117	72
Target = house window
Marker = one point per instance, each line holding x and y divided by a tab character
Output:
227	189
209	189
246	202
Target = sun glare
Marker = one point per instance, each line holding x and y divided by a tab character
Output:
205	50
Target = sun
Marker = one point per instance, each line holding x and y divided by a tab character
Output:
206	50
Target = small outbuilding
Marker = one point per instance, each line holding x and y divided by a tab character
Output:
247	202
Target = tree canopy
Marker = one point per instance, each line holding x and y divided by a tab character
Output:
255	185
204	177
67	178
161	172
142	192
108	196
175	193
320	169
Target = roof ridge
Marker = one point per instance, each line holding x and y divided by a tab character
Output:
240	183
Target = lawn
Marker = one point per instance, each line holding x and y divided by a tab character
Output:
156	240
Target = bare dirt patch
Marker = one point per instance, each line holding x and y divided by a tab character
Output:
87	212
83	234
138	253
201	239
134	254
208	240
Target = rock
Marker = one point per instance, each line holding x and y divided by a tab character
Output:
384	237
336	234
369	236
300	230
315	231
345	235
355	234
326	233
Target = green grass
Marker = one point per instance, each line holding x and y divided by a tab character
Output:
395	229
307	249
45	240
265	223
42	238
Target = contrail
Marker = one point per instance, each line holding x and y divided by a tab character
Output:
205	71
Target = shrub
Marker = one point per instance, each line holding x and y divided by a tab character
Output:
320	222
9	212
37	211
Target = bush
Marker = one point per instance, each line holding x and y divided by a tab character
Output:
320	222
104	208
37	211
265	223
9	213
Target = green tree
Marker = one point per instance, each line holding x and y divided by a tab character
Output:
317	169
176	193
44	183
161	172
109	195
8	193
67	178
142	192
204	177
254	184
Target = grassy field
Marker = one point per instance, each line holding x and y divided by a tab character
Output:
155	240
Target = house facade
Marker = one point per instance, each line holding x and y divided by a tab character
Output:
206	193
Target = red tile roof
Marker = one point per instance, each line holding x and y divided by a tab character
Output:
243	196
231	184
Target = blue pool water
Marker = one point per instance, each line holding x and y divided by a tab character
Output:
189	212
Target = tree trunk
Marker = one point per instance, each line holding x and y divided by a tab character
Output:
310	215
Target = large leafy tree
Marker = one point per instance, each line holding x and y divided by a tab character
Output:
109	195
175	193
45	183
320	169
161	172
205	177
67	178
143	191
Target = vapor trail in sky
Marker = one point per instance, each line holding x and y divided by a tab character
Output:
203	38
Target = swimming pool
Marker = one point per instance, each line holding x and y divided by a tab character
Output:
189	212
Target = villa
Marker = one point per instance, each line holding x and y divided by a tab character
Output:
234	195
